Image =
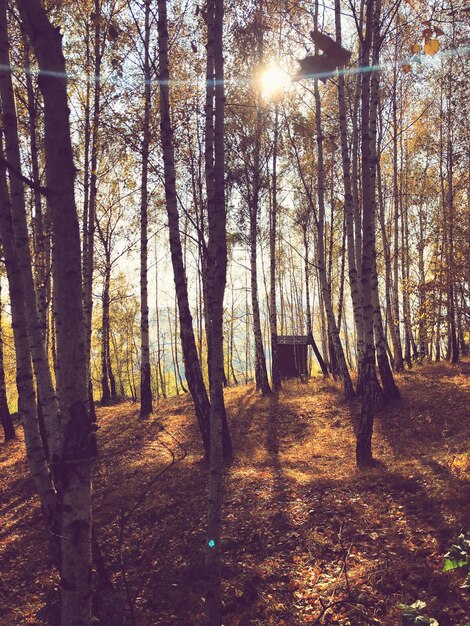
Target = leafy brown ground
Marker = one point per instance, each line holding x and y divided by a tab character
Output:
304	529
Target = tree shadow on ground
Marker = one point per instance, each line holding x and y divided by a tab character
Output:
302	526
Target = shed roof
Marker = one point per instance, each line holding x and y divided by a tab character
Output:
292	339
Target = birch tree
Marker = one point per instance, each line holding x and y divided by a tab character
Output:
333	330
191	358
216	278
27	407
46	392
369	103
145	373
73	458
5	416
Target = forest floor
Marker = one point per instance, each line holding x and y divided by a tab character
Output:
304	530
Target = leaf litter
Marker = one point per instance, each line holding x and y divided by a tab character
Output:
307	538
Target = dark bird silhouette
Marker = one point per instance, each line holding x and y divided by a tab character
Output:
323	65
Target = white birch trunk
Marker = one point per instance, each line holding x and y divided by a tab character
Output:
46	392
77	451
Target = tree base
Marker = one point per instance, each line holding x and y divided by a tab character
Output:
368	462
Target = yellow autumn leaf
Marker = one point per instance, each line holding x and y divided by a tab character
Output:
431	46
415	48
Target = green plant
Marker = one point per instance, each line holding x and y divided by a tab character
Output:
458	557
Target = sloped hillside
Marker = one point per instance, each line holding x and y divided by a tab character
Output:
308	538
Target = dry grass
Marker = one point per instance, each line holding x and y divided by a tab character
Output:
303	527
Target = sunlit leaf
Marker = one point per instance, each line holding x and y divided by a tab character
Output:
432	46
418	605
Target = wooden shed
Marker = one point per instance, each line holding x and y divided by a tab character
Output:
293	353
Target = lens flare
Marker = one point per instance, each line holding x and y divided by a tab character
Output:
273	81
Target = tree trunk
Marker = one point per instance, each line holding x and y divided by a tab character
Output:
178	369
74	460
105	389
41	226
404	256
354	283
355	180
451	210
275	372
191	358
214	98
5	417
395	326
341	275
386	254
390	390
112	379
46	392
216	278
145	373
157	329
386	376
261	373
422	300
311	339
172	349
232	338
333	331
27	408
90	203
369	101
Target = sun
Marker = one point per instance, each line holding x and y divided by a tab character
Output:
273	81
